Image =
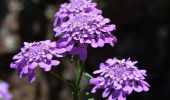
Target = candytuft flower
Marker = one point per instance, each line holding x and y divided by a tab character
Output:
74	7
80	23
36	54
119	78
4	91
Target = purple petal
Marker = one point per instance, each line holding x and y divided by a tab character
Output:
110	61
56	21
62	15
45	66
81	40
144	82
88	41
17	57
106	93
31	76
42	64
110	27
12	65
145	88
97	71
94	89
58	31
108	39
100	43
118	86
49	56
102	65
62	42
33	65
128	89
25	69
53	44
121	96
69	47
111	98
137	88
94	81
55	62
115	94
62	50
94	44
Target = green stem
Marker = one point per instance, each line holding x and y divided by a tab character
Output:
79	74
75	87
78	70
59	77
71	84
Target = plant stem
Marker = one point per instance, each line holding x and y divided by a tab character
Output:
78	70
79	74
71	84
74	86
59	77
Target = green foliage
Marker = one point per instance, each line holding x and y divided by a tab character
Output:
87	75
89	96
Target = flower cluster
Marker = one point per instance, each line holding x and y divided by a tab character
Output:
80	23
74	7
36	54
4	91
119	78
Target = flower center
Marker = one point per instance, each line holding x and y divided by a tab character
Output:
37	50
119	70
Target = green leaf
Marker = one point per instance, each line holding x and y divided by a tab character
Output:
87	75
89	96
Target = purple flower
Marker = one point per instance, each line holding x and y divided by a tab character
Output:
79	23
36	54
119	78
74	7
4	91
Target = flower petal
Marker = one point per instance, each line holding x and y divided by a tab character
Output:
31	76
33	65
106	93
49	56
55	62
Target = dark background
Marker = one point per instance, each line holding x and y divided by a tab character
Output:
143	28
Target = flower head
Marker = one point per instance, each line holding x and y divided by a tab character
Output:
36	54
74	7
4	91
119	78
80	23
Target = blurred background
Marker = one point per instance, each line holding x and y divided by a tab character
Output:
143	28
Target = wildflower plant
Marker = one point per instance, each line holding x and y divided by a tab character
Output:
36	54
119	78
77	25
80	23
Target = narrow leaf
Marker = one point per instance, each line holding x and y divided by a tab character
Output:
87	75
